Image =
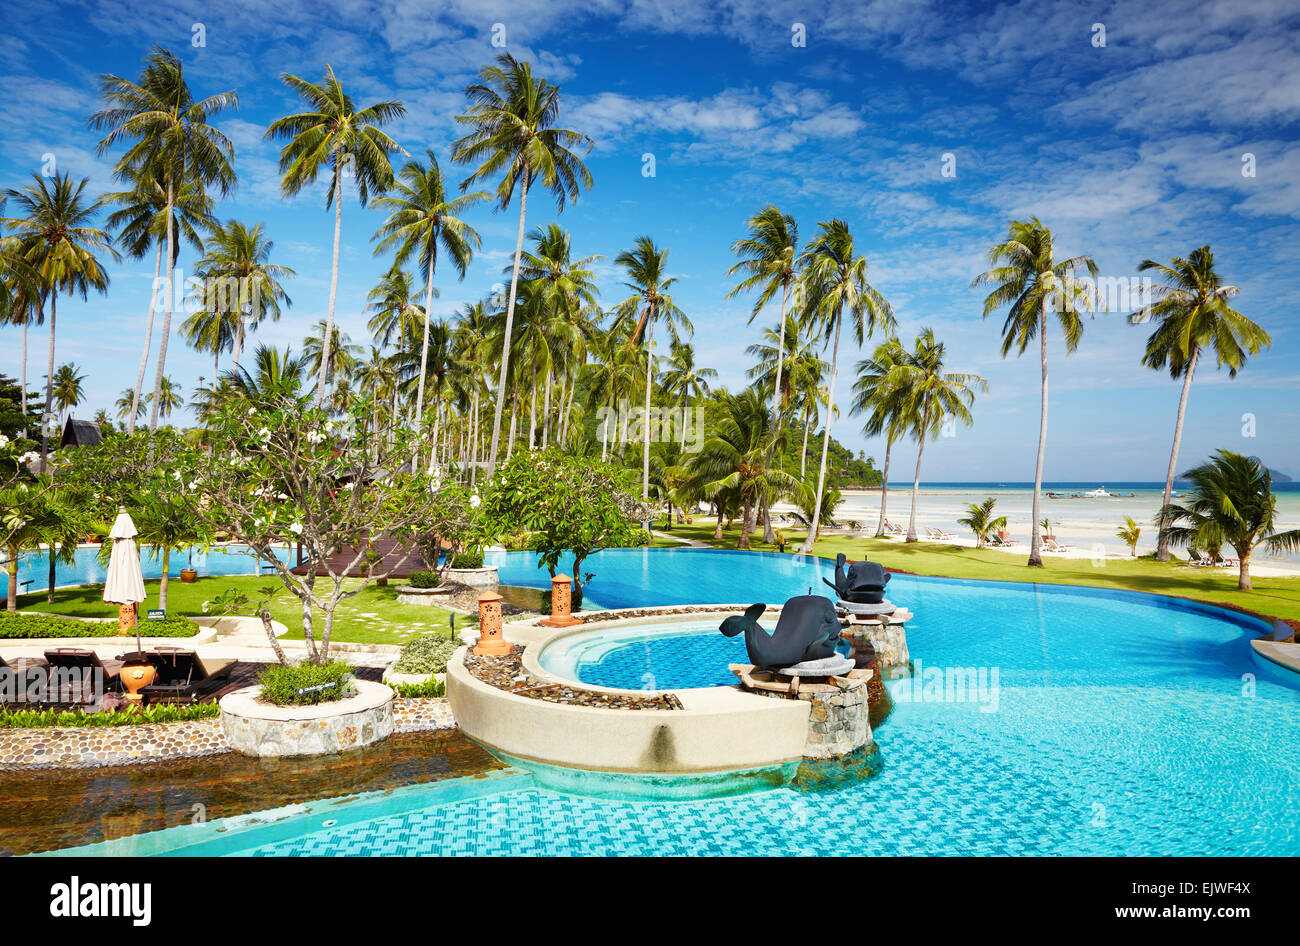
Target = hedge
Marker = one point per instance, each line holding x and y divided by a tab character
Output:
19	625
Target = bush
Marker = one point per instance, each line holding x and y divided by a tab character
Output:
466	560
306	684
424	579
20	625
427	654
133	716
640	538
429	688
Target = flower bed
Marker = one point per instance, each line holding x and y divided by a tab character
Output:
20	626
307	684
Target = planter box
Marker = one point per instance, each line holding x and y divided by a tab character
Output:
429	597
485	577
260	729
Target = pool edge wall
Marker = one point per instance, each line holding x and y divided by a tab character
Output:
719	729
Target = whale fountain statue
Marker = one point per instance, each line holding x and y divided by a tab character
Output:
860	587
806	641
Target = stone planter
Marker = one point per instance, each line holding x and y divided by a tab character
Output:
485	577
429	597
261	729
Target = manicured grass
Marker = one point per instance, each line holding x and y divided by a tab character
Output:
1274	596
371	617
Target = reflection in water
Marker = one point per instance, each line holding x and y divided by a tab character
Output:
41	811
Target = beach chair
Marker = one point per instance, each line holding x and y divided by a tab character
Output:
1001	540
1198	558
74	671
1052	545
182	674
893	529
938	534
19	676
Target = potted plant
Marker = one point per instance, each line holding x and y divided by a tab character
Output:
189	573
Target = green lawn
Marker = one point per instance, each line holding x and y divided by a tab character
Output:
372	617
1277	597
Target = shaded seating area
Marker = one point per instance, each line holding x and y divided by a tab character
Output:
184	676
78	675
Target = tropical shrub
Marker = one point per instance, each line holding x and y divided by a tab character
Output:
424	579
38	625
131	716
432	687
467	559
307	683
1130	532
428	654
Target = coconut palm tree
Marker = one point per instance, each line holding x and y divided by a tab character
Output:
735	458
275	376
979	519
172	141
767	261
1130	532
648	280
875	395
685	381
169	397
422	218
1192	314
931	398
1027	278
212	332
334	135
835	282
125	404
67	388
512	118
1231	502
140	223
240	285
330	354
57	243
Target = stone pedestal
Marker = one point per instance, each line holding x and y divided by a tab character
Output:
839	719
886	636
561	603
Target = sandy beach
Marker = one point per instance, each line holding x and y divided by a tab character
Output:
1087	526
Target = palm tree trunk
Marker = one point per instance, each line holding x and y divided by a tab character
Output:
510	325
604	437
645	420
721	507
424	347
811	537
532	414
322	375
11	598
167	305
744	525
1162	541
49	387
780	362
510	447
1243	572
148	343
1035	535
916	477
884	486
803	453
546	410
23	382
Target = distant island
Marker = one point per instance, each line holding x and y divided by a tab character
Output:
1280	477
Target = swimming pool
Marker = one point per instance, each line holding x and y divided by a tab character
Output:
1116	724
232	559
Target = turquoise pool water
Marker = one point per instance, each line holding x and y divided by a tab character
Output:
34	567
1105	724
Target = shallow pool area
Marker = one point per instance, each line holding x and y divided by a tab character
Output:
1038	720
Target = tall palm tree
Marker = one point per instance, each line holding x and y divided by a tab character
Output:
240	285
330	354
1027	278
767	260
276	376
140	222
21	302
336	136
648	279
1231	502
836	281
685	381
127	404
423	218
882	400
512	118
210	331
173	141
67	389
931	398
58	243
169	398
1192	314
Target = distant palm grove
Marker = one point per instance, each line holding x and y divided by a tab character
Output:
553	360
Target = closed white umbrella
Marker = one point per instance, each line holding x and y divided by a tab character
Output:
125	582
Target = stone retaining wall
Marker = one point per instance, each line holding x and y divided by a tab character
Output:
838	722
73	747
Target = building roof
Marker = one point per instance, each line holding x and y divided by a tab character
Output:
80	433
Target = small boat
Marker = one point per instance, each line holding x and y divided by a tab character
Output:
1098	493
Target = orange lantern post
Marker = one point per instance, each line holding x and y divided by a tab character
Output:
561	603
490	642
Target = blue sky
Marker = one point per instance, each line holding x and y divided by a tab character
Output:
1129	150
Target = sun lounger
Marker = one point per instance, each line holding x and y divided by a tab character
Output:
1053	546
181	673
74	671
18	677
938	534
1001	541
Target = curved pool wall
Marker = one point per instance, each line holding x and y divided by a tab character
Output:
232	559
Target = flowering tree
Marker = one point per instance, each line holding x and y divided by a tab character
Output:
571	505
272	473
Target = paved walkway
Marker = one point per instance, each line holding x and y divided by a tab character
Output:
693	543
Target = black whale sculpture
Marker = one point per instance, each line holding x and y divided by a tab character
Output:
859	583
807	630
